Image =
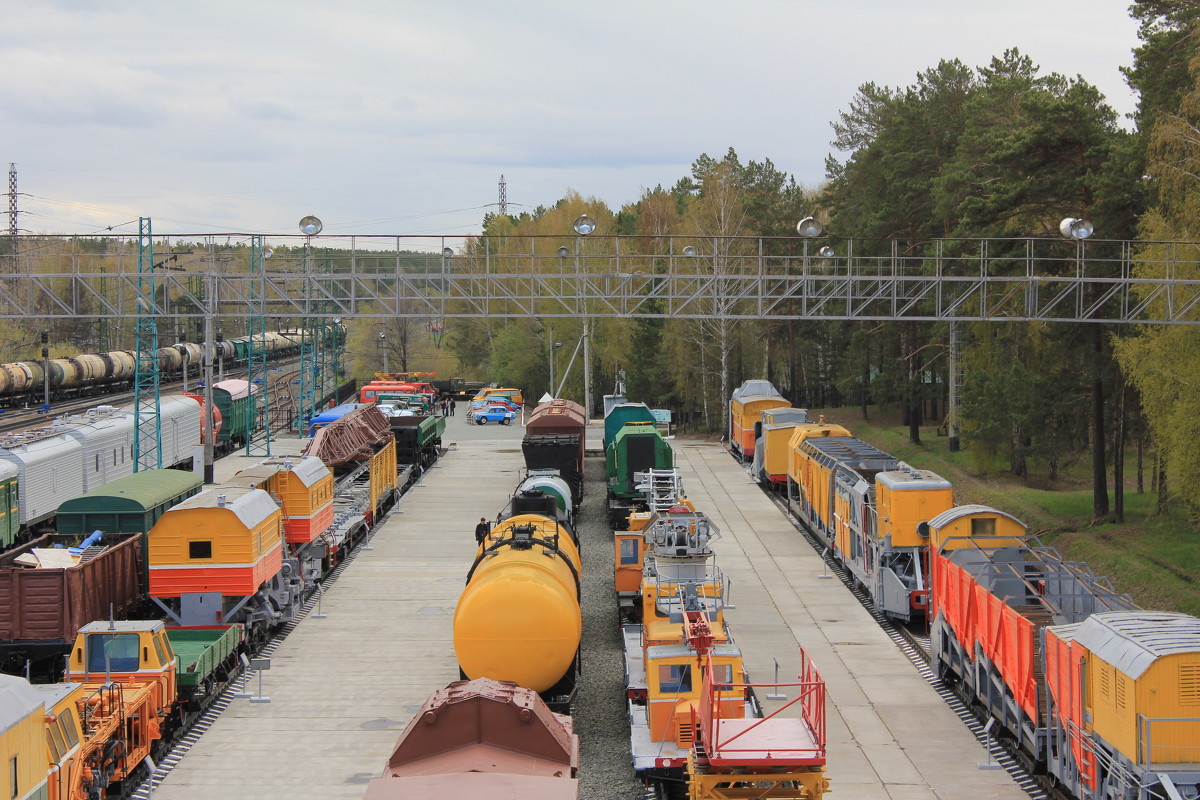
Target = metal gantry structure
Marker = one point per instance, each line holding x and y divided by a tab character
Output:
435	278
619	277
147	440
258	405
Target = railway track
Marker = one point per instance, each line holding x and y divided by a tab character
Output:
17	419
916	647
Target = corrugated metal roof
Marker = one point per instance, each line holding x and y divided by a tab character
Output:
236	387
785	415
17	701
946	517
251	506
755	387
309	469
907	478
143	490
1133	640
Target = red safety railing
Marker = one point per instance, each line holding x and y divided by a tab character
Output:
725	743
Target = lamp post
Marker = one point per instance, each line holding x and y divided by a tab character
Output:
310	226
553	348
584	225
383	347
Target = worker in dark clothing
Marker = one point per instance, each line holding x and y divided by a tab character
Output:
452	406
482	530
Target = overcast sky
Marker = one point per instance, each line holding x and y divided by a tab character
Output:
400	117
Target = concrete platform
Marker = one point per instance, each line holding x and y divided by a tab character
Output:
343	688
890	736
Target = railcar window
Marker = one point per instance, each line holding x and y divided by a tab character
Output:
629	551
983	527
12	770
722	674
58	746
200	550
162	656
116	652
69	728
674	678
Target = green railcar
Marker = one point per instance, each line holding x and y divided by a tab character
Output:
10	505
621	415
637	447
207	656
129	505
232	398
417	439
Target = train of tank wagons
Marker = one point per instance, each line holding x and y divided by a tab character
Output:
1100	696
220	569
114	371
696	723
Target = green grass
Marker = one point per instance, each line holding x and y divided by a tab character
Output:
1155	559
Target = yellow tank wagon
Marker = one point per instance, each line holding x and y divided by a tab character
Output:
518	618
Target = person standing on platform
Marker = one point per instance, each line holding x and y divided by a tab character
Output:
482	530
452	406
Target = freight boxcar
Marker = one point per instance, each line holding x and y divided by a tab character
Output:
637	447
557	418
417	438
129	505
232	397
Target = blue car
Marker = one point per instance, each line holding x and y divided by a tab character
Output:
495	413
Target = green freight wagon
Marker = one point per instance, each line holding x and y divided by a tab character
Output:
208	656
10	517
417	439
129	505
232	398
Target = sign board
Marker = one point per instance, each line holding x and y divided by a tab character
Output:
661	415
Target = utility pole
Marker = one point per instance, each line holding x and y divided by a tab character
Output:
12	206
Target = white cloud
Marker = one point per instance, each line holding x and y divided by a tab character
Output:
245	116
